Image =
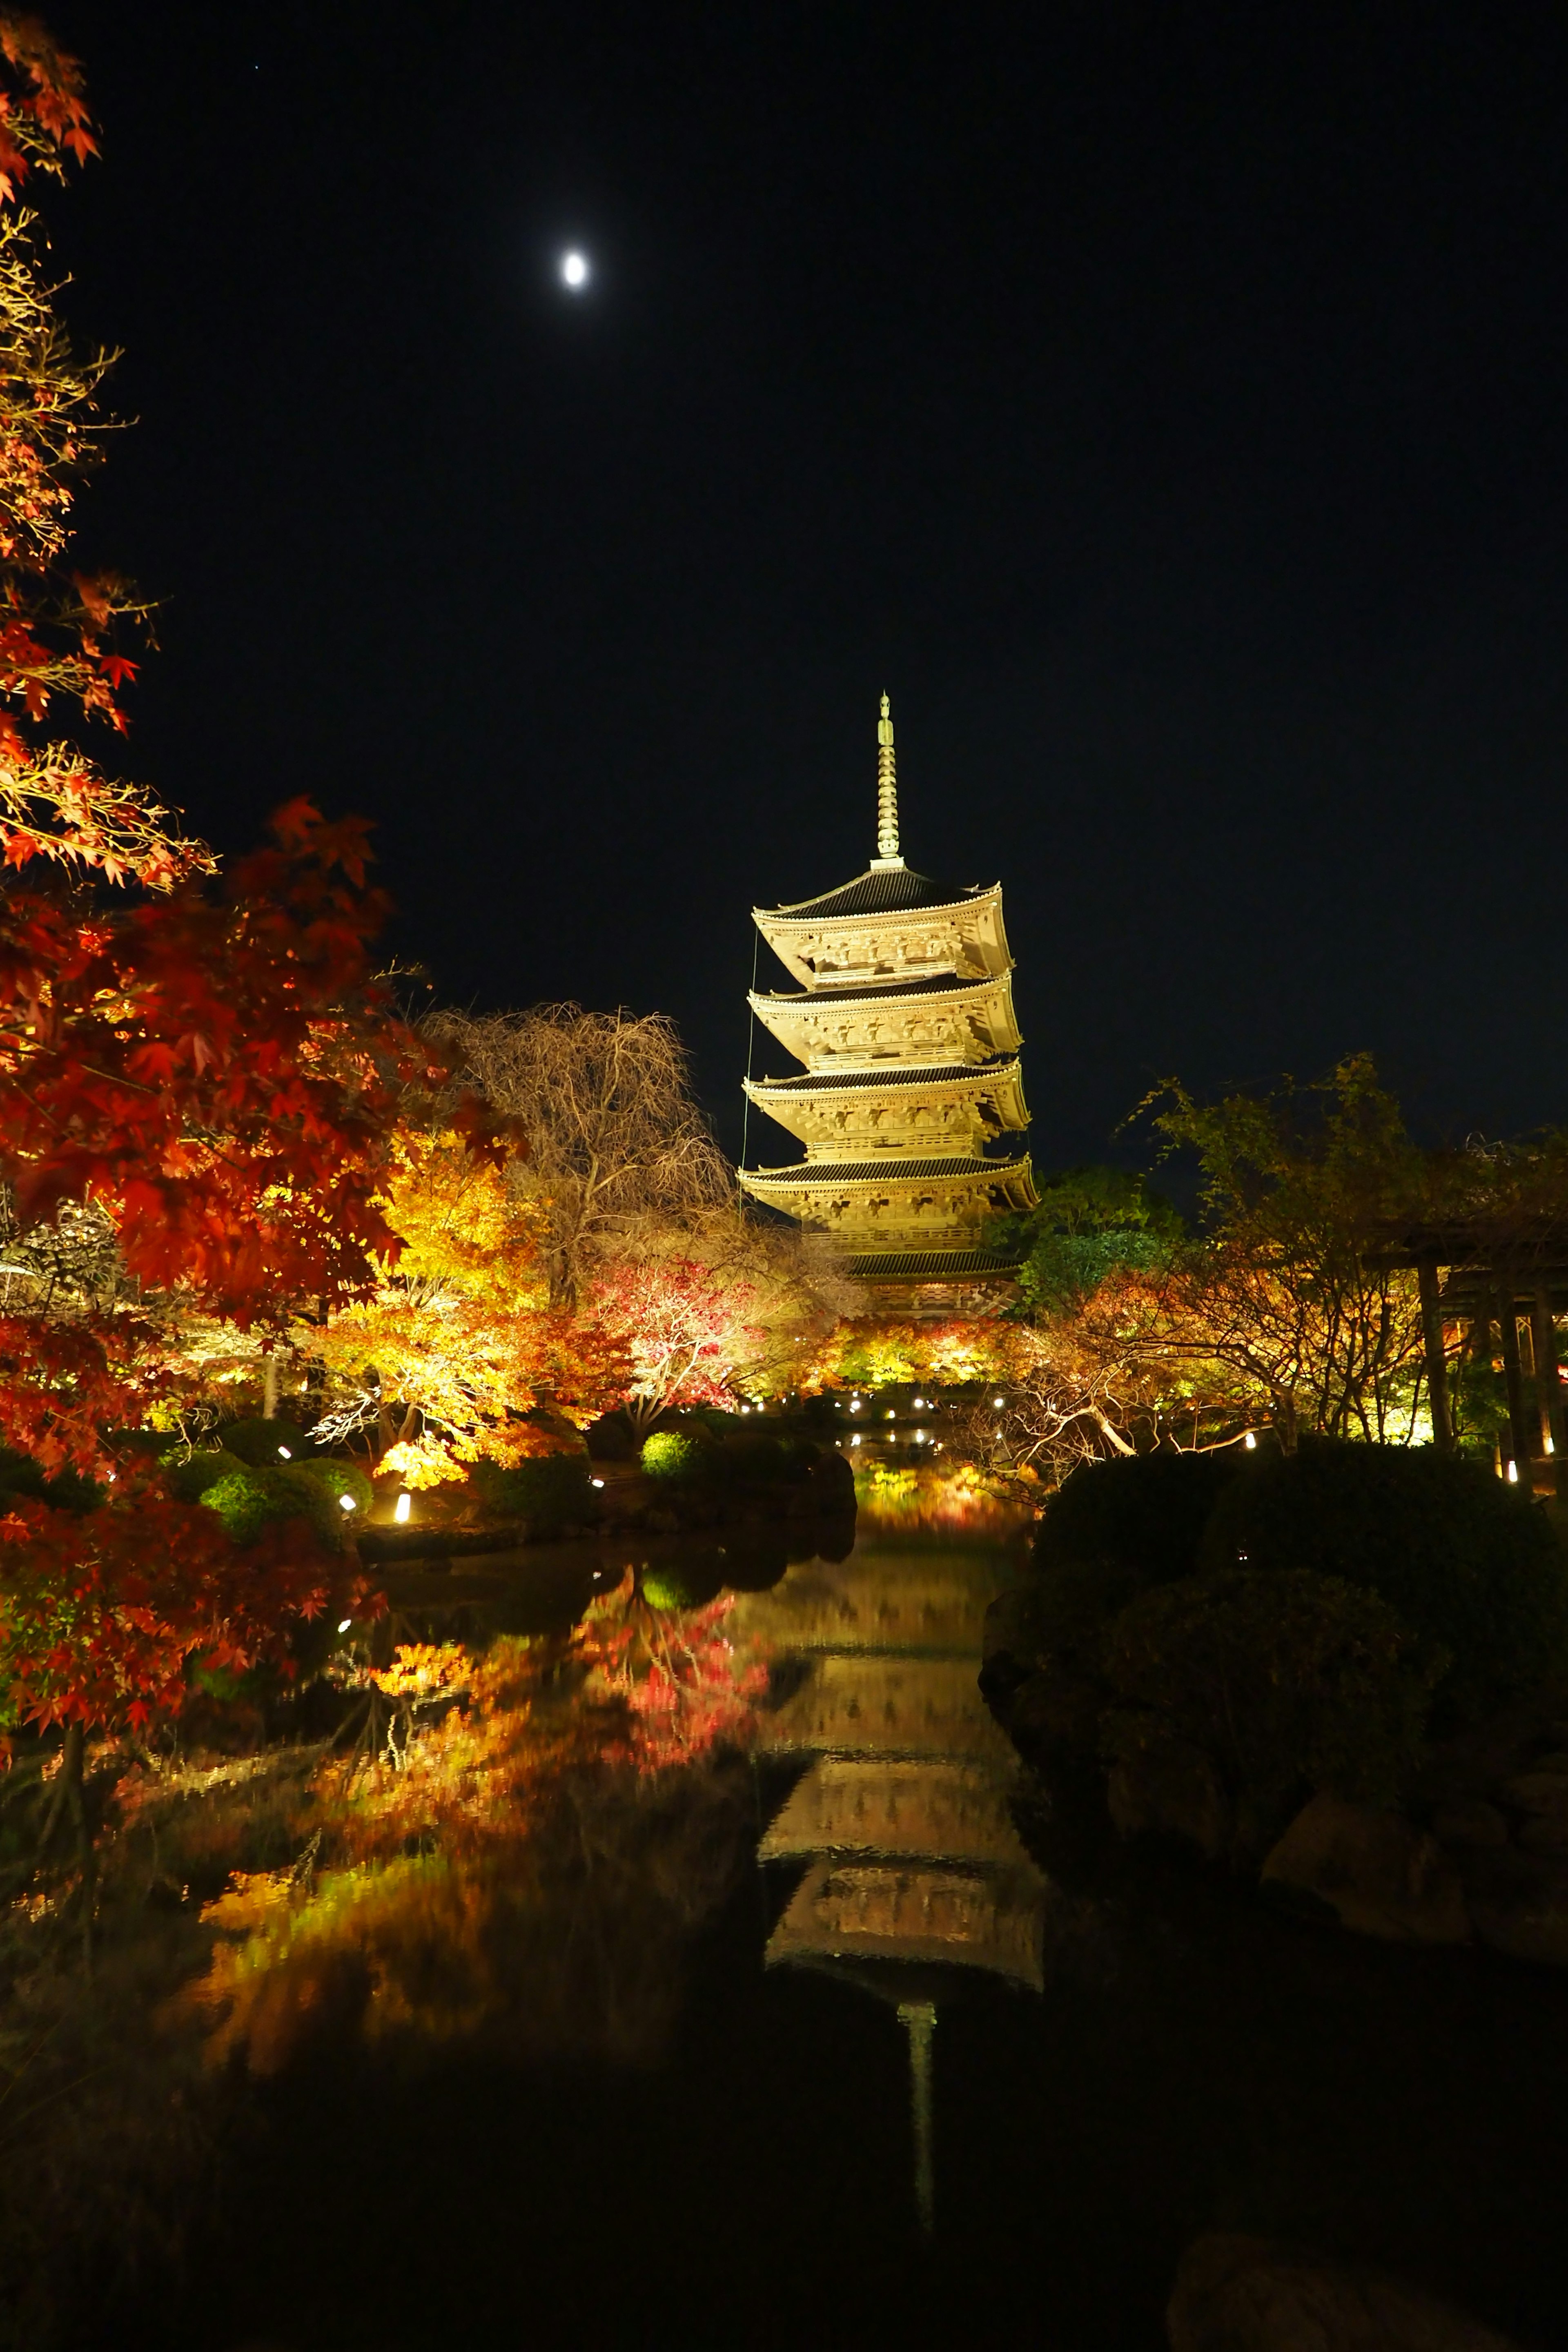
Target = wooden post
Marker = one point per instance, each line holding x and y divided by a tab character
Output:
1518	1421
1549	1387
1437	1365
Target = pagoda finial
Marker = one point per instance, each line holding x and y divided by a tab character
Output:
887	792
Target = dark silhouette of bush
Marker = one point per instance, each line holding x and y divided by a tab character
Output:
1289	1682
1111	1531
188	1480
1143	1513
262	1444
551	1491
1471	1566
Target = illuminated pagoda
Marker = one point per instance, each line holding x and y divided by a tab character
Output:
912	1098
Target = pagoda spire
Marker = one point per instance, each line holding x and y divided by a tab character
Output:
887	792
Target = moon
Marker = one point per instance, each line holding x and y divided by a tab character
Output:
574	271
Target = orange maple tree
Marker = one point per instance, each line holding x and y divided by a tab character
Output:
458	1343
59	627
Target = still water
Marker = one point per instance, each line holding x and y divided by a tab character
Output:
918	2062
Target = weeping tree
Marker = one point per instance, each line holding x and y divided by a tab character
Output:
618	1144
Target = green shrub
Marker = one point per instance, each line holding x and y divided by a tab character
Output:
753	1457
1471	1566
670	1453
65	1490
257	1442
1143	1513
551	1491
189	1480
246	1499
1289	1681
1111	1531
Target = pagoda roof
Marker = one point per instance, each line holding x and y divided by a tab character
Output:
900	1074
854	992
928	1265
888	1165
883	889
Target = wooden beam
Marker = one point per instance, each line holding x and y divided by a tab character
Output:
1548	1386
1436	1362
1518	1421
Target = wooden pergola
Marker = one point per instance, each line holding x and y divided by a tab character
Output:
1502	1277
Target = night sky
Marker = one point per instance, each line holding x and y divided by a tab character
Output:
1166	405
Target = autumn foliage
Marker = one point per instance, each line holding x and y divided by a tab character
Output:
106	1614
60	627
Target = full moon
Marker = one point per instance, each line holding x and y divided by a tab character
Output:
574	269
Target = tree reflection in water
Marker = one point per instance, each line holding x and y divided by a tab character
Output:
525	1857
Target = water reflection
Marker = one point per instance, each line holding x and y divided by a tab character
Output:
915	1872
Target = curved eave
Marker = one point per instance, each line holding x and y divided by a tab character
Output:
969	1080
814	1000
809	1177
800	918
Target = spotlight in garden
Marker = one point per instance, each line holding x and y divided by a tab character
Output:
345	1502
596	1482
284	1454
1251	1442
574	271
345	1623
1513	1473
402	1508
997	1402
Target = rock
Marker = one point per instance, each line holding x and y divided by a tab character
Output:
833	1482
1519	1903
1538	1792
1006	1632
1377	1872
1545	1834
1244	2294
1047	1711
1472	1822
1172	1789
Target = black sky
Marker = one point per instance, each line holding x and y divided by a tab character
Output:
1166	403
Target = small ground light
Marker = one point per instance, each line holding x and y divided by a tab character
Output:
345	1623
855	1441
596	1482
345	1502
574	271
1251	1442
285	1453
401	1509
1513	1473
997	1402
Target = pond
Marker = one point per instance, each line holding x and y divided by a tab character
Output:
885	2049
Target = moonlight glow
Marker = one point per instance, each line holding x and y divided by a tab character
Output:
575	271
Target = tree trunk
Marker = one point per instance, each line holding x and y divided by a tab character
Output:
269	1387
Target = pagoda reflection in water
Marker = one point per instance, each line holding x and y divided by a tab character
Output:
915	1872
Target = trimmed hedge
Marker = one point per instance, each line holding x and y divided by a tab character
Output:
1289	1681
257	1441
246	1499
1471	1565
551	1491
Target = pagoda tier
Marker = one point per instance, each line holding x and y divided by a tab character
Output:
899	1204
838	1114
888	925
922	1021
906	1026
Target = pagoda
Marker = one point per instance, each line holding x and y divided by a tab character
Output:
912	1098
